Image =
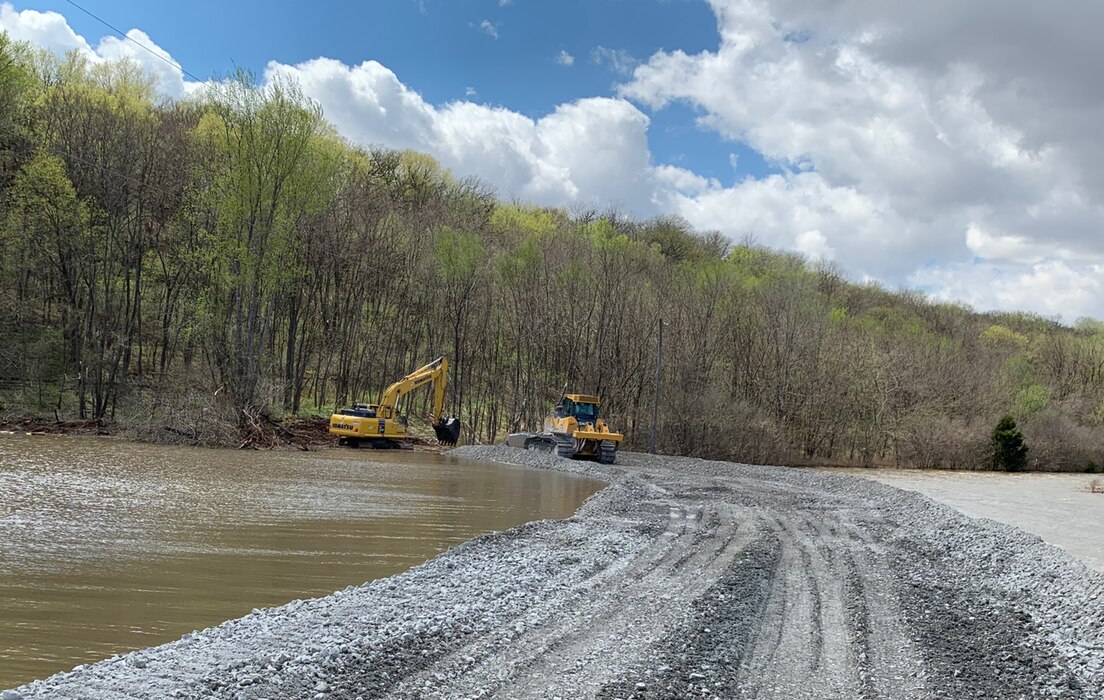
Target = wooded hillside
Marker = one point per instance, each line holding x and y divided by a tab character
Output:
197	268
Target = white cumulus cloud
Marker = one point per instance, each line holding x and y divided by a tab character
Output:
619	61
919	143
51	31
489	28
814	245
908	135
593	151
1054	288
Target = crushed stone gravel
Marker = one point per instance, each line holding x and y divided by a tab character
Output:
682	578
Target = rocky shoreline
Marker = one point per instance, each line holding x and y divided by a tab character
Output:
682	578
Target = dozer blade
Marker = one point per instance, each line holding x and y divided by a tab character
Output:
448	431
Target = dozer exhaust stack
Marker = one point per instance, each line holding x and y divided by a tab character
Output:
448	431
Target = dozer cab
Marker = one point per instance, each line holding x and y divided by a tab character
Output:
574	431
380	425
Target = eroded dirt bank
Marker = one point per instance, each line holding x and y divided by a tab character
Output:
683	578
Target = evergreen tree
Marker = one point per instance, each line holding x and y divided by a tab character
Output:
1007	449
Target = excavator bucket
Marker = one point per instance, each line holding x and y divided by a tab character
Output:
448	431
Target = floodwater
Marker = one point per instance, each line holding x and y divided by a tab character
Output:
108	546
1060	508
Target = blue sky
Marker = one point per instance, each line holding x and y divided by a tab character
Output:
914	144
441	49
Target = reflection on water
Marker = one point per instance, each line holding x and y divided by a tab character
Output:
107	546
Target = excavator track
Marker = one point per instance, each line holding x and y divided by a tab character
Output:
382	426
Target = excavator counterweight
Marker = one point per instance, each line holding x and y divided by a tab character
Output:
380	425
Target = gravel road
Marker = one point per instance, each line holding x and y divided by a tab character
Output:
683	578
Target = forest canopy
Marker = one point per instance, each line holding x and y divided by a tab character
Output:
195	267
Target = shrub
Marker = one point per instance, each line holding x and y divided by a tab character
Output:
1059	443
928	441
1007	449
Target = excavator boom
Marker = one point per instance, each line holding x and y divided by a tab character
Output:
384	423
435	372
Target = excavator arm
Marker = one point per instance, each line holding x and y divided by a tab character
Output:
436	372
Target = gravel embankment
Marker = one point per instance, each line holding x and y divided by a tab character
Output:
683	578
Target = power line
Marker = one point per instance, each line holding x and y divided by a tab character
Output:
122	34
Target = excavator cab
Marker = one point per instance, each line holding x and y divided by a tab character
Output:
360	410
381	425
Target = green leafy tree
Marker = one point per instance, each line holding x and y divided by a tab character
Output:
203	262
41	238
1030	400
264	164
1008	451
16	94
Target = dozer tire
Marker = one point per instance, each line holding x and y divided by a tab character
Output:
607	452
565	447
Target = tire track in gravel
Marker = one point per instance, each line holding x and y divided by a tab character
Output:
858	570
824	612
704	658
822	620
683	579
605	621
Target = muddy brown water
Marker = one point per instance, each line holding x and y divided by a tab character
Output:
108	546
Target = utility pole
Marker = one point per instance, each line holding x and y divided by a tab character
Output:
659	369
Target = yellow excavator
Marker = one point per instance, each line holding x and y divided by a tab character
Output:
573	431
380	425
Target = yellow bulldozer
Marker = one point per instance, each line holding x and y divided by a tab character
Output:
574	431
381	425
